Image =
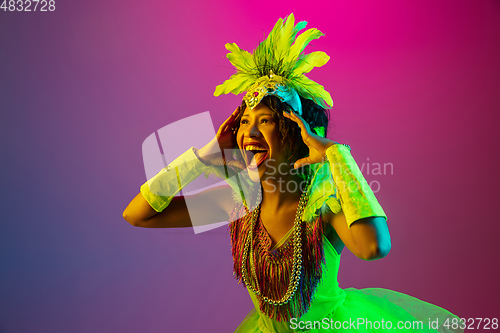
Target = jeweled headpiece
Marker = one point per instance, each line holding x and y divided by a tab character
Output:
277	67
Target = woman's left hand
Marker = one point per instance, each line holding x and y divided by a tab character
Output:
317	145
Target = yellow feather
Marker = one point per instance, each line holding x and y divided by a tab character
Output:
309	61
281	52
266	45
312	90
301	42
236	84
284	37
241	59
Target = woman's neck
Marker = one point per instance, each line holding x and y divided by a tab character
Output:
281	191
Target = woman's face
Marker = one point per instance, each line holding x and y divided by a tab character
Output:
259	138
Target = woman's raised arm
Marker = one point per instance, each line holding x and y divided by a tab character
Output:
215	204
363	227
157	205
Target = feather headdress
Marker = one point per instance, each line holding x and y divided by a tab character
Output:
278	67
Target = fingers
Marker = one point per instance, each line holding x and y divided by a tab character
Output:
229	120
228	123
232	116
302	162
302	122
304	126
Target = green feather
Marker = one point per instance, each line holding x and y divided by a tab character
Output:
320	131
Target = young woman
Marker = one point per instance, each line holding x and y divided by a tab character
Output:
295	199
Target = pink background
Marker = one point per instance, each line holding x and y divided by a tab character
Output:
415	84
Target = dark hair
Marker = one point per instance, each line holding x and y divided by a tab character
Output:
291	139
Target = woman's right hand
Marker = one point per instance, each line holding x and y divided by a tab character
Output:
216	202
225	135
224	140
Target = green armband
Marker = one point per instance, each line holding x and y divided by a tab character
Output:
160	190
356	197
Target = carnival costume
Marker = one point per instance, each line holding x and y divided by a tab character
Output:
293	284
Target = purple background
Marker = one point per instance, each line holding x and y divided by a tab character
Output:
415	84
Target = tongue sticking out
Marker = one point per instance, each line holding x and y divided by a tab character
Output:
257	159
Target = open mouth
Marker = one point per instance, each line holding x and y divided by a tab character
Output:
255	154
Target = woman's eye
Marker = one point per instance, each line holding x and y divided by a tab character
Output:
262	121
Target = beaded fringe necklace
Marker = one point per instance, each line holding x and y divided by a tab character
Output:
284	279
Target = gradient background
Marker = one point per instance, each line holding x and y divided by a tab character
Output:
415	84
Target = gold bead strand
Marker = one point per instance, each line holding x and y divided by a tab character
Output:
297	258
